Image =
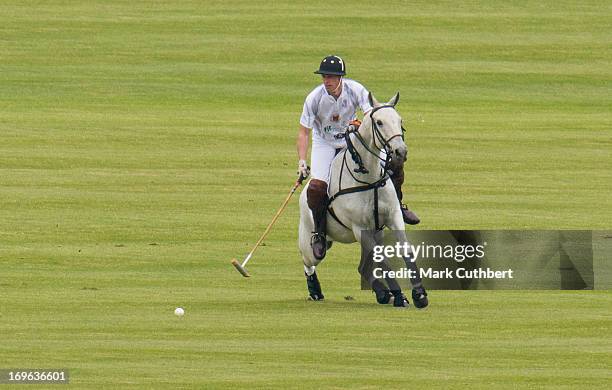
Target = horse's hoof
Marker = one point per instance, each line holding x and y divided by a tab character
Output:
383	297
419	297
400	300
314	287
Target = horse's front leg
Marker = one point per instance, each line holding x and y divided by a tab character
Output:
375	270
419	295
395	222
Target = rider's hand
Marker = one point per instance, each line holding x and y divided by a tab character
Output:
355	123
303	169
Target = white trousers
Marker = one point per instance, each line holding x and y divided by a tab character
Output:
321	158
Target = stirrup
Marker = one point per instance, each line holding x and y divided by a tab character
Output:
318	237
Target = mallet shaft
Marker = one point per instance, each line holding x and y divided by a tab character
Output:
240	267
278	213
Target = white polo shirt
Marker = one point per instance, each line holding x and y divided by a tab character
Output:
328	116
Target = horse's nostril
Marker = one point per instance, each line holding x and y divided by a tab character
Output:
401	153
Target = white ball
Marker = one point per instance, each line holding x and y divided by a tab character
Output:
179	311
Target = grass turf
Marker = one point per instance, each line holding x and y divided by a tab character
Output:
143	145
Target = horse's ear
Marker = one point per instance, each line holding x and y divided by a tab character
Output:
372	100
394	100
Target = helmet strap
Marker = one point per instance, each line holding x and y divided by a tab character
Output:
338	87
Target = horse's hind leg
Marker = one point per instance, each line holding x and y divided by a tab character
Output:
310	263
313	284
304	231
312	281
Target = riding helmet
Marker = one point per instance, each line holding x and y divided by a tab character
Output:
333	65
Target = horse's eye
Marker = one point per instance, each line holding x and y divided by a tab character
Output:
379	122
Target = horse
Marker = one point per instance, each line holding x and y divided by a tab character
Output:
361	203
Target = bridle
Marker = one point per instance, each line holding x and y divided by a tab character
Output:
376	130
377	137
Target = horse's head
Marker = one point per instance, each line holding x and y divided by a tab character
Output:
388	131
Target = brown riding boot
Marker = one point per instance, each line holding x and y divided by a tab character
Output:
317	202
398	179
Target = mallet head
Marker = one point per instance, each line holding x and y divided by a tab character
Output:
240	268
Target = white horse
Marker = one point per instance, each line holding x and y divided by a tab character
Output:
363	201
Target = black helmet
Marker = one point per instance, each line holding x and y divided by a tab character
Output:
332	65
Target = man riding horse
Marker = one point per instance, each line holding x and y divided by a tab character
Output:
329	109
353	165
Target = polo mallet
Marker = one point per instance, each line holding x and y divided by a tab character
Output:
240	267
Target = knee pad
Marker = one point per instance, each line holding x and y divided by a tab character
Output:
316	194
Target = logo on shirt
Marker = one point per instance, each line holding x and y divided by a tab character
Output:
335	117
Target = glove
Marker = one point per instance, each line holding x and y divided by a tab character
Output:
355	124
303	169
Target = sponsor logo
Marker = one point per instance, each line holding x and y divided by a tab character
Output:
331	129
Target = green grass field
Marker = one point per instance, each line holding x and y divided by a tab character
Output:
145	144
